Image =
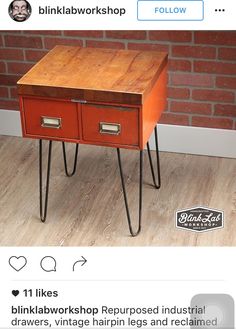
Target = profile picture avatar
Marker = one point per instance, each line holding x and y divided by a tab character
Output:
19	10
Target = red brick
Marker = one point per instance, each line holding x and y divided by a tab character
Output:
84	34
1	41
227	54
188	107
4	92
215	67
186	79
13	32
174	119
2	67
148	46
19	68
9	104
226	82
52	42
212	122
215	38
23	41
167	105
42	32
179	93
136	35
179	65
105	44
34	55
225	110
174	36
11	54
213	95
194	51
8	79
13	93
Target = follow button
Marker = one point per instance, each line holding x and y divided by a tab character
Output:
173	10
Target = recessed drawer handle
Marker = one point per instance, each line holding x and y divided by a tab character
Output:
51	122
110	128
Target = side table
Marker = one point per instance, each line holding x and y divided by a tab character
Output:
95	96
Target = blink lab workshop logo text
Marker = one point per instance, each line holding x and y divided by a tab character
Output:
199	219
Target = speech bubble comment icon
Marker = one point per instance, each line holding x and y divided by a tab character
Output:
48	264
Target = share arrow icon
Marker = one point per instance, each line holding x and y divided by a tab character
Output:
81	262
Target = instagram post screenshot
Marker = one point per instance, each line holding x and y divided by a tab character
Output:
118	164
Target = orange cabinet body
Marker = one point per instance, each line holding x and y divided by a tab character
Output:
94	96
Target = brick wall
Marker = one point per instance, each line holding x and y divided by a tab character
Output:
202	68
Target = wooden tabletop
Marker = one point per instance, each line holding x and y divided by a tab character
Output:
91	74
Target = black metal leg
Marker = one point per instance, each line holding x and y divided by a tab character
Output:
43	209
157	186
132	232
65	160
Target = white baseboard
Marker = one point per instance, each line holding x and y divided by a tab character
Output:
10	123
180	139
196	140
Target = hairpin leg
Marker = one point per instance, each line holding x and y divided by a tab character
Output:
65	160
43	209
157	186
132	232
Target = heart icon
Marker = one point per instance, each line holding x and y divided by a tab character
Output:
15	292
17	263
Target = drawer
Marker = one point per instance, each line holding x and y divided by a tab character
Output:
52	118
110	124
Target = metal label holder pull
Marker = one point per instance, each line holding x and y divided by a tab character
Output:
47	122
109	128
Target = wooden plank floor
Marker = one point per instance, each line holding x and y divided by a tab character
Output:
88	209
